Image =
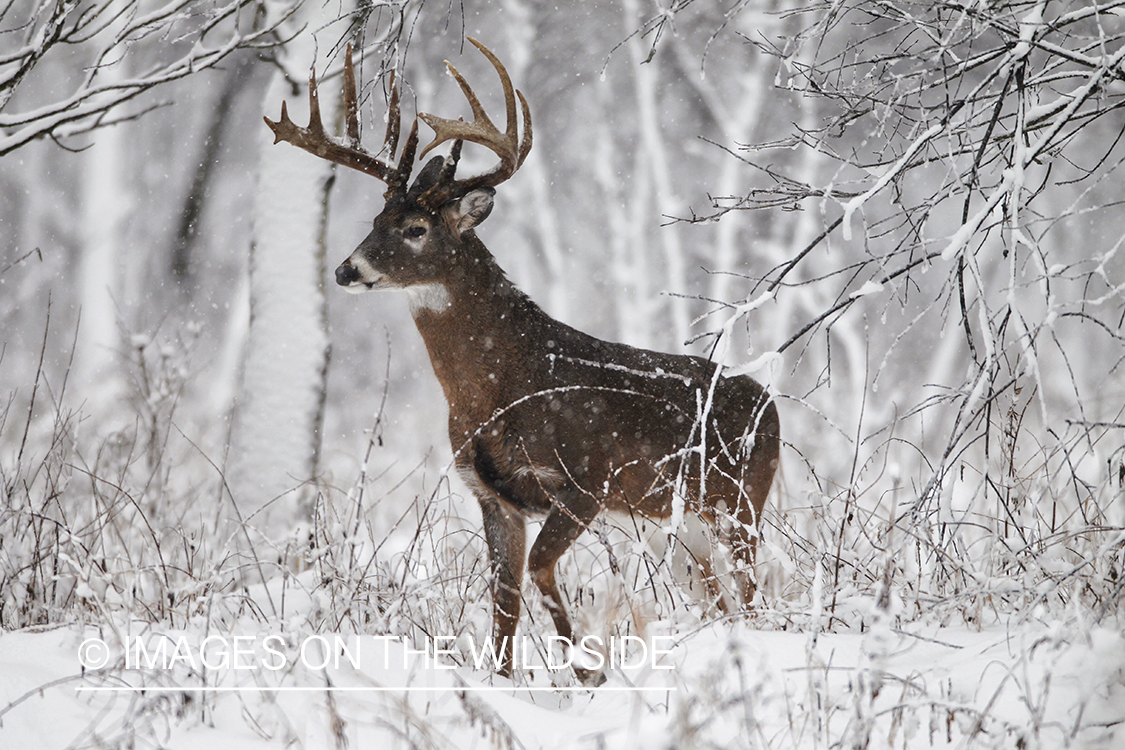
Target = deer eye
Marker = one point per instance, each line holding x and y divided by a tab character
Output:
414	231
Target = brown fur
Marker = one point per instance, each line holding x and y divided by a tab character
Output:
545	420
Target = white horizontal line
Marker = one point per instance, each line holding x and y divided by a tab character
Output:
336	689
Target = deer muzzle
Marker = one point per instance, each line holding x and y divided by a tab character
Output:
356	280
347	274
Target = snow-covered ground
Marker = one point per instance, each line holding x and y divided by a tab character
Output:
1026	685
949	380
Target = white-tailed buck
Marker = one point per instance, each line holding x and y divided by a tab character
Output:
544	420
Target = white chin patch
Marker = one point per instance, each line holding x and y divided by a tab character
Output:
380	284
369	280
432	297
377	283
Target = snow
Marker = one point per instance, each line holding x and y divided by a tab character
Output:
885	179
871	287
731	685
1001	627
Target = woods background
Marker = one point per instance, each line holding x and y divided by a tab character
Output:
904	218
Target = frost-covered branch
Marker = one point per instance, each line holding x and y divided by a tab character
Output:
157	43
967	233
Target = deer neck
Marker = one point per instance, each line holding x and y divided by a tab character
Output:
471	324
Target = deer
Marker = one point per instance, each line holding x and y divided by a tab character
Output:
545	421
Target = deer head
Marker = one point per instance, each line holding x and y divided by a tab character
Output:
413	242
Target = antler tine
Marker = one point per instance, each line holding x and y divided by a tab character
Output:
316	127
507	145
509	98
525	144
480	130
394	119
287	130
316	141
450	167
401	176
351	99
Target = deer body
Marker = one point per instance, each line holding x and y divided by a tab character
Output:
537	407
544	420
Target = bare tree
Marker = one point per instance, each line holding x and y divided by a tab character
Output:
277	437
161	43
70	68
966	289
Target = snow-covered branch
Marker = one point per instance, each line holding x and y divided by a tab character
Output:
157	44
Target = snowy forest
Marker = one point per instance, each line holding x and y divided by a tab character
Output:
903	218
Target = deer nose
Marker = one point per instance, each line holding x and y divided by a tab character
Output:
346	274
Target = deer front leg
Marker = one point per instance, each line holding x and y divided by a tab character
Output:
505	533
571	514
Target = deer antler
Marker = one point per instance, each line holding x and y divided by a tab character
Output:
507	145
316	141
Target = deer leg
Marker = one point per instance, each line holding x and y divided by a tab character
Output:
744	546
745	532
506	535
761	465
693	567
572	513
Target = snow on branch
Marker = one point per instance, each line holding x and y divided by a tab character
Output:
950	177
144	44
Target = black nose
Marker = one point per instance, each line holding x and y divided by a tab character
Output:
346	274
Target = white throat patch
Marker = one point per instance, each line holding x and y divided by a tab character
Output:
433	297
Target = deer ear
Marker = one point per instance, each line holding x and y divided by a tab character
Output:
473	208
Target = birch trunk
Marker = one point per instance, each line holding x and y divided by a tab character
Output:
654	152
279	410
106	202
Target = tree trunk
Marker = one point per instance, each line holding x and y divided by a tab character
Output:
280	407
106	202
